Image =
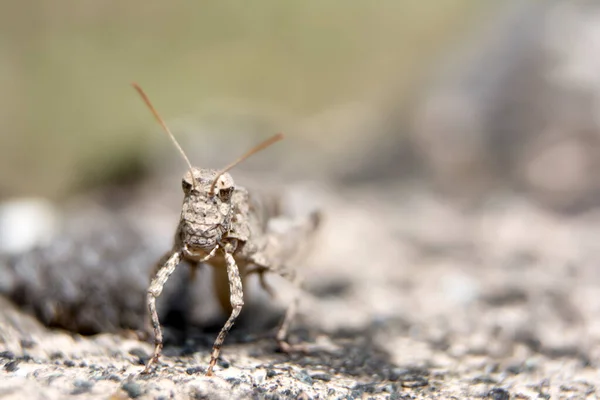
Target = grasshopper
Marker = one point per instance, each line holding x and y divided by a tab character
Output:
222	225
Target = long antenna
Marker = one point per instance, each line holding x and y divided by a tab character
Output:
165	127
252	151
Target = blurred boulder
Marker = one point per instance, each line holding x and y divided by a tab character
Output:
518	108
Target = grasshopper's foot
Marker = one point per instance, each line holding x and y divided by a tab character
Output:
147	370
153	362
209	371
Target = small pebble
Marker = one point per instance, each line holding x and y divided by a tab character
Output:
411	377
82	386
303	377
11	366
223	363
194	370
321	377
69	363
399	396
7	354
27	343
234	381
133	389
367	387
416	383
484	379
355	394
271	373
515	369
498	394
140	354
389	388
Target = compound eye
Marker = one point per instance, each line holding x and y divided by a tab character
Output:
225	194
186	186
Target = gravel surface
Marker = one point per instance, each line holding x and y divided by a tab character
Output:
407	297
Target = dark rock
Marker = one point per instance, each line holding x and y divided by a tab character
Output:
486	379
234	381
82	386
11	366
514	369
133	389
223	363
194	370
27	343
142	356
498	394
411	377
321	377
330	289
367	387
507	297
303	377
271	373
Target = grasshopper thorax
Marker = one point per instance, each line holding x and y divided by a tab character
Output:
206	211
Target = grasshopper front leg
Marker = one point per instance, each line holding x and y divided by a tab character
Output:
157	284
155	289
237	302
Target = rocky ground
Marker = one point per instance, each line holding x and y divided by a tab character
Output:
407	297
484	293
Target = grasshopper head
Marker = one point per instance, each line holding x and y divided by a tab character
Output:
207	210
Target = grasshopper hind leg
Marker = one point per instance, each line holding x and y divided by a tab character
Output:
290	313
261	268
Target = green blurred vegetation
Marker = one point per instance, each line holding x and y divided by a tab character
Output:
66	65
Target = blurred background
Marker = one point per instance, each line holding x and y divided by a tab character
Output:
452	145
466	96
